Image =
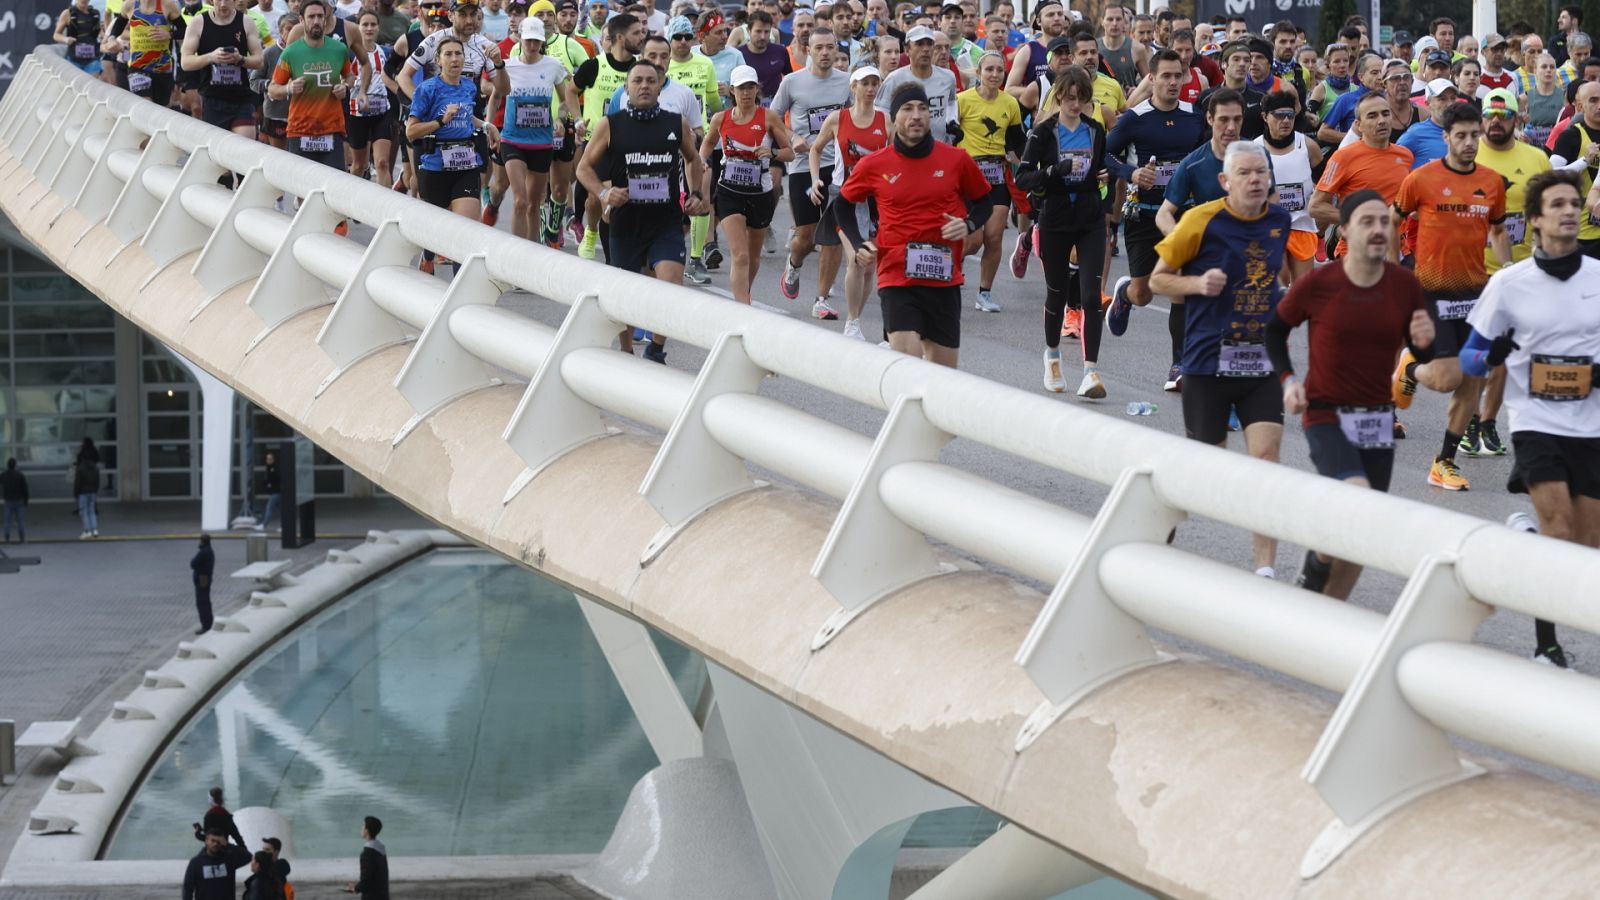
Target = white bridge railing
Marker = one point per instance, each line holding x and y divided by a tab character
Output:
1408	680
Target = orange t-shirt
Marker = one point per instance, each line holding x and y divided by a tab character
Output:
1356	167
1454	211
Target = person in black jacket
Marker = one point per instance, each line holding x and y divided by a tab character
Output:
263	883
210	873
217	818
1063	160
203	566
86	487
14	493
272	486
374	883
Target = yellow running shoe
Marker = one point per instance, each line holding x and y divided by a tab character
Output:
1447	475
1404	388
586	248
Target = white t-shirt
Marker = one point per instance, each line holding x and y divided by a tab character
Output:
1557	322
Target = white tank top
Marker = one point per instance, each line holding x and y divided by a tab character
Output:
1292	174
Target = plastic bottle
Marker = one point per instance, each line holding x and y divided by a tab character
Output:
1142	408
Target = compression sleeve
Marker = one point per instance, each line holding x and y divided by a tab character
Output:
1278	346
1474	356
1015	137
978	210
845	216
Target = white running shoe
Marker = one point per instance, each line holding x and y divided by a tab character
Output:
1053	380
769	246
1521	521
985	303
1267	572
1091	387
852	330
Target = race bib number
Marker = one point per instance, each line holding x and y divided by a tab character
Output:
322	143
377	103
1559	378
994	170
458	157
83	50
1164	173
1455	309
1073	165
1516	228
930	262
648	188
1292	197
138	83
1539	133
533	115
1243	359
817	116
227	75
1368	427
744	173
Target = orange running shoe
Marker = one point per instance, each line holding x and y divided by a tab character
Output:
1404	387
1072	324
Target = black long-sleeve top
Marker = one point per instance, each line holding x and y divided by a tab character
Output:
1069	203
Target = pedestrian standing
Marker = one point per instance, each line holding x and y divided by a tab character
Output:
374	883
280	866
263	883
210	873
14	493
203	565
272	486
86	487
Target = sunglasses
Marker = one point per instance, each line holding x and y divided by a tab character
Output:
1282	114
683	37
1498	114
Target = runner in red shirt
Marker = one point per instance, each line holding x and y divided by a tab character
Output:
1362	309
930	197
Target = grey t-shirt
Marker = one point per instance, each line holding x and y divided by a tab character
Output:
940	86
809	98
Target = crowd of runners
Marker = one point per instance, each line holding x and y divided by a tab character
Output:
1428	206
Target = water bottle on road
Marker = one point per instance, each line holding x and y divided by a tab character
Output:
1141	408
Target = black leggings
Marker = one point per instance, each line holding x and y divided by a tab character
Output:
1055	249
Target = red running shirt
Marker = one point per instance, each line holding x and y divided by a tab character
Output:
1355	333
914	195
855	144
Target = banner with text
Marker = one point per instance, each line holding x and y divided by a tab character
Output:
24	25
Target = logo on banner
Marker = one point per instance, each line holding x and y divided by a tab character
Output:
1285	5
1240	7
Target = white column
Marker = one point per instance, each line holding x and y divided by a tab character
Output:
1484	15
216	445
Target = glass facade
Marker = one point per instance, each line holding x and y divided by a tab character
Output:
57	374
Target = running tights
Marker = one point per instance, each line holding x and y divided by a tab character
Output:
1055	249
1175	325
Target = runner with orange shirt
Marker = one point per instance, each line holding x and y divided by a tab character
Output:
1371	163
1460	206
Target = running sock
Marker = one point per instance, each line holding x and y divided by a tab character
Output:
1544	633
1175	331
1452	443
699	227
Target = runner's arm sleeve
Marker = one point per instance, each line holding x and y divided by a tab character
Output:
1033	173
1475	355
1278	345
1015	137
1568	148
585	77
845	217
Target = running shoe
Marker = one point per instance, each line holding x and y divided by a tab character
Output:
1121	307
1521	521
789	282
712	256
655	352
1174	385
1313	573
1489	443
575	227
1072	324
586	246
1552	655
491	215
985	302
1233	421
852	330
769	246
1091	387
343	228
1404	387
1052	371
821	310
1019	255
695	272
1399	429
1447	475
1469	439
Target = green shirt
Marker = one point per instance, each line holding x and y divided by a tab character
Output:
698	74
315	111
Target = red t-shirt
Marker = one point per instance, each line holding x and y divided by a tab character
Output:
913	196
1355	333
